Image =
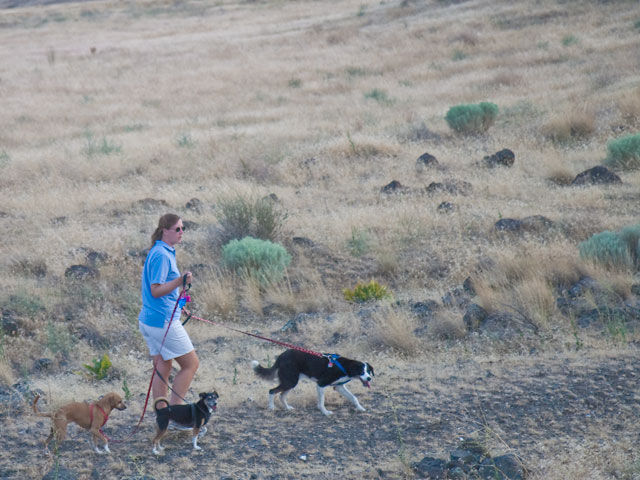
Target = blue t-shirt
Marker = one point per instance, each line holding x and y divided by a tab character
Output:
159	267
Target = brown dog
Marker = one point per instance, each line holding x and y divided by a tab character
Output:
91	416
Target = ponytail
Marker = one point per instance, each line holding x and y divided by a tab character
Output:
168	220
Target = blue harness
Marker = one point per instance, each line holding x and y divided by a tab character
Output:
333	360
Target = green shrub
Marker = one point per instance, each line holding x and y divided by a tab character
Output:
624	153
378	95
363	292
260	259
59	339
472	118
242	217
607	248
99	367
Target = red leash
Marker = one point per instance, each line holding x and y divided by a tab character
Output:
278	342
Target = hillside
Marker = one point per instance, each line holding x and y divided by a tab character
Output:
506	321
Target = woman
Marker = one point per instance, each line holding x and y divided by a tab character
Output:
161	284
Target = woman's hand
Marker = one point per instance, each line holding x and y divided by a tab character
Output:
161	289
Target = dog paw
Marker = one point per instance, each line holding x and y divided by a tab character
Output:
156	452
100	451
361	409
327	412
197	448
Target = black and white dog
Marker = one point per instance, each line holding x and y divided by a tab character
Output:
194	415
326	371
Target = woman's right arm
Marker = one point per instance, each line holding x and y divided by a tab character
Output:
161	289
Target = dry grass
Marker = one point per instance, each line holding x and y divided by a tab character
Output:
108	105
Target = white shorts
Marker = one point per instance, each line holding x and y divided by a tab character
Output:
176	343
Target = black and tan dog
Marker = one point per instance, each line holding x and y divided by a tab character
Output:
327	371
194	415
91	416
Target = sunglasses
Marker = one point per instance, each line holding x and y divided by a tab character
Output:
179	229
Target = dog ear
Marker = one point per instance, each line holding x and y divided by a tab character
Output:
371	369
202	395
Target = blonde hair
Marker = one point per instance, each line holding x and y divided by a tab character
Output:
166	221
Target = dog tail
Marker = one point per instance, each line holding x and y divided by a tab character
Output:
35	408
266	373
160	400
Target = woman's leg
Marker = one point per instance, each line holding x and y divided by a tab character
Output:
189	363
159	388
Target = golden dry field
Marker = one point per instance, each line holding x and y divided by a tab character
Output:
495	328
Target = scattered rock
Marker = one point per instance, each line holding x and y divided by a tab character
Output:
426	160
303	242
599	175
189	225
194	205
446	207
96	259
81	272
432	468
452	187
532	224
393	187
151	204
425	309
474	316
503	158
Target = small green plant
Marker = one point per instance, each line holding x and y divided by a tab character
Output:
378	95
458	55
364	292
295	83
125	389
59	339
93	147
624	153
569	40
472	119
260	259
235	375
608	249
247	217
184	140
359	242
4	159
636	25
99	367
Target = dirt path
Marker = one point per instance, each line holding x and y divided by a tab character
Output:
539	408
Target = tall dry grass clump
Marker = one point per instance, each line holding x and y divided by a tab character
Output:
574	125
394	329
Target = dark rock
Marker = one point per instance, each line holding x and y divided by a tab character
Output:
464	456
474	446
393	187
468	287
431	468
500	325
452	187
96	258
508	225
151	204
10	325
635	289
503	158
42	364
81	272
425	309
582	286
455	298
426	160
59	220
446	207
505	467
598	175
194	205
189	225
474	316
303	242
